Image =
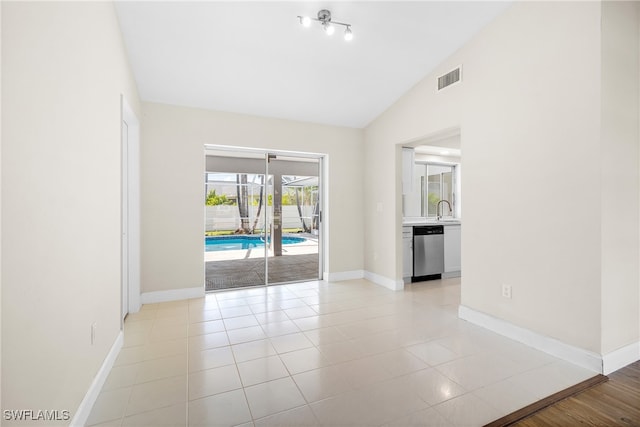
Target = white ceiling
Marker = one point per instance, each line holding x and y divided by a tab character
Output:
255	58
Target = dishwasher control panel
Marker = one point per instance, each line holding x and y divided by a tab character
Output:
427	230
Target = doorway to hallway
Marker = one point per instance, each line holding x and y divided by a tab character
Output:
130	211
263	218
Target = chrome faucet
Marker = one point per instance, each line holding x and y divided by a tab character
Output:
438	208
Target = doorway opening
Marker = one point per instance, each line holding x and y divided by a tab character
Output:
130	211
263	217
432	196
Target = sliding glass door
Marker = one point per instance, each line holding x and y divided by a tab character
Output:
262	218
295	226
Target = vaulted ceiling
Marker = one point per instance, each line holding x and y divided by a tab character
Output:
255	57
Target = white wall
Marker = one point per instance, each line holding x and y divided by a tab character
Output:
173	140
63	71
0	205
535	117
531	96
620	166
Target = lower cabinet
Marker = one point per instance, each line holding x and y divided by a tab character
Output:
407	253
452	247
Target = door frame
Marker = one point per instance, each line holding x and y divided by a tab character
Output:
322	158
130	210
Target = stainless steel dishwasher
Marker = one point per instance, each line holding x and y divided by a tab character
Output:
428	252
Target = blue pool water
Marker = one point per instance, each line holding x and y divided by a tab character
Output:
230	243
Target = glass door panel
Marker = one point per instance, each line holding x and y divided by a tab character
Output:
235	215
295	226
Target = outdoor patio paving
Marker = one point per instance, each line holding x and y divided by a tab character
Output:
238	273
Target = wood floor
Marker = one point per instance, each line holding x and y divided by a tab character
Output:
615	402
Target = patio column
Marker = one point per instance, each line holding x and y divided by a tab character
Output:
276	237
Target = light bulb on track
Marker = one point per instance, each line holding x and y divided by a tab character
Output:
348	34
329	29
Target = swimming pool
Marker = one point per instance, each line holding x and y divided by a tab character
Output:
231	243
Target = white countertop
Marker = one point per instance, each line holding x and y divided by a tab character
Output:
410	222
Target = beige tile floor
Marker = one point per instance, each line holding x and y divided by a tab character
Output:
336	354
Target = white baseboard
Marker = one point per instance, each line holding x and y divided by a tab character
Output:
134	303
620	358
394	285
84	410
344	275
171	295
552	346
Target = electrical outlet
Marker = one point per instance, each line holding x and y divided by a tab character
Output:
93	333
506	291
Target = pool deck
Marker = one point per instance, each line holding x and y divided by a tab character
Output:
245	267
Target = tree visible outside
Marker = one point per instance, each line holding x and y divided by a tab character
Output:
214	199
302	196
255	221
432	201
243	203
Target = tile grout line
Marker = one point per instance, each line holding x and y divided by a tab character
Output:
244	391
186	406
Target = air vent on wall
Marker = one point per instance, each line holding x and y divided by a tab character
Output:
450	78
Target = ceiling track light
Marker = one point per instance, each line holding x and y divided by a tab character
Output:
324	18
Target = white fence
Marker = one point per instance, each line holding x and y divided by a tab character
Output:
224	217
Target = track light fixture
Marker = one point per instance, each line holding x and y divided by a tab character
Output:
324	18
